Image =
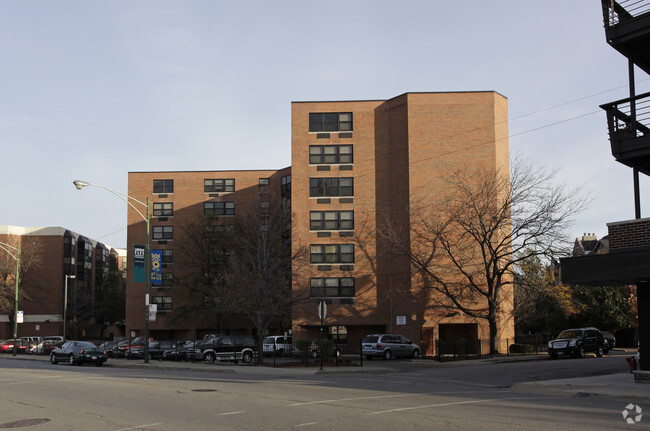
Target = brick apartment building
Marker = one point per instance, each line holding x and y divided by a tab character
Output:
58	252
179	201
355	163
352	163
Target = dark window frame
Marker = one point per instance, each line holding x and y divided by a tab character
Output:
164	303
332	287
318	155
330	224
330	122
331	187
219	185
163	186
326	254
160	210
163	232
226	208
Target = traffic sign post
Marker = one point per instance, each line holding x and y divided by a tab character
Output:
322	313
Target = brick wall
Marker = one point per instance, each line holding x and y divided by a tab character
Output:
630	233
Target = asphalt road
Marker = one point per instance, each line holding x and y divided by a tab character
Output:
415	395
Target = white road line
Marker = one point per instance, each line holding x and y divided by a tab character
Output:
486	400
20	383
386	396
305	424
231	413
139	426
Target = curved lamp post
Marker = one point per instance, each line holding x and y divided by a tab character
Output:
147	218
17	257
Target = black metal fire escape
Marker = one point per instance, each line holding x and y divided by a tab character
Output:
627	29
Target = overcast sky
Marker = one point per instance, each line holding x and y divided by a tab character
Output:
92	90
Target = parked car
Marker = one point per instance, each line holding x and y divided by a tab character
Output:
230	348
315	349
610	341
389	345
51	342
108	347
78	353
8	346
576	342
123	347
182	352
33	345
277	345
156	350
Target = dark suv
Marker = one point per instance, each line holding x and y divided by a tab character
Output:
577	342
228	347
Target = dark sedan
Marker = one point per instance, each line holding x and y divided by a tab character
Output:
78	353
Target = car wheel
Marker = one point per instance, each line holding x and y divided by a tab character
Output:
98	364
337	353
71	359
246	357
416	354
53	359
387	354
581	352
600	352
314	354
209	358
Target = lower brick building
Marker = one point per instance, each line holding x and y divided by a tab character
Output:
50	256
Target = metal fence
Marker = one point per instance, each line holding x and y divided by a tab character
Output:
464	348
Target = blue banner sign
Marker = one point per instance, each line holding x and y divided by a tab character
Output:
156	267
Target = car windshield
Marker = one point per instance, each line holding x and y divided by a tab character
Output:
572	333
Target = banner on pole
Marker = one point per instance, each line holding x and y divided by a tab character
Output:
138	263
156	267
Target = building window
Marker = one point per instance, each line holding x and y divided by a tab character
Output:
167	278
285	186
331	253
330	122
167	256
163	232
164	303
341	287
163	186
331	220
330	154
323	187
219	186
161	209
219	208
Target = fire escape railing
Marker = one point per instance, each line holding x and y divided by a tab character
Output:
615	12
627	119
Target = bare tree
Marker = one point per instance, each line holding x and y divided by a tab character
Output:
30	259
258	276
465	244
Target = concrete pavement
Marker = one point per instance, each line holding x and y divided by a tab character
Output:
613	385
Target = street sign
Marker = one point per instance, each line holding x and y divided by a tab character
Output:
322	310
19	317
153	309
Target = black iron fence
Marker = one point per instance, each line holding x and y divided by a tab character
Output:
465	348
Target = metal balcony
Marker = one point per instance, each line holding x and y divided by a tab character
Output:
628	121
627	29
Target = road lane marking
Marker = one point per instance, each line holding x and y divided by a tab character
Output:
456	403
386	396
231	413
135	427
305	424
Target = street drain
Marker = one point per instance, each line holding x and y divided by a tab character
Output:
204	390
23	423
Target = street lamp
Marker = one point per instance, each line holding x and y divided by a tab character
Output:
147	268
17	257
65	302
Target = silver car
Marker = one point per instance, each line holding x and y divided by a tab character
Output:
389	345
